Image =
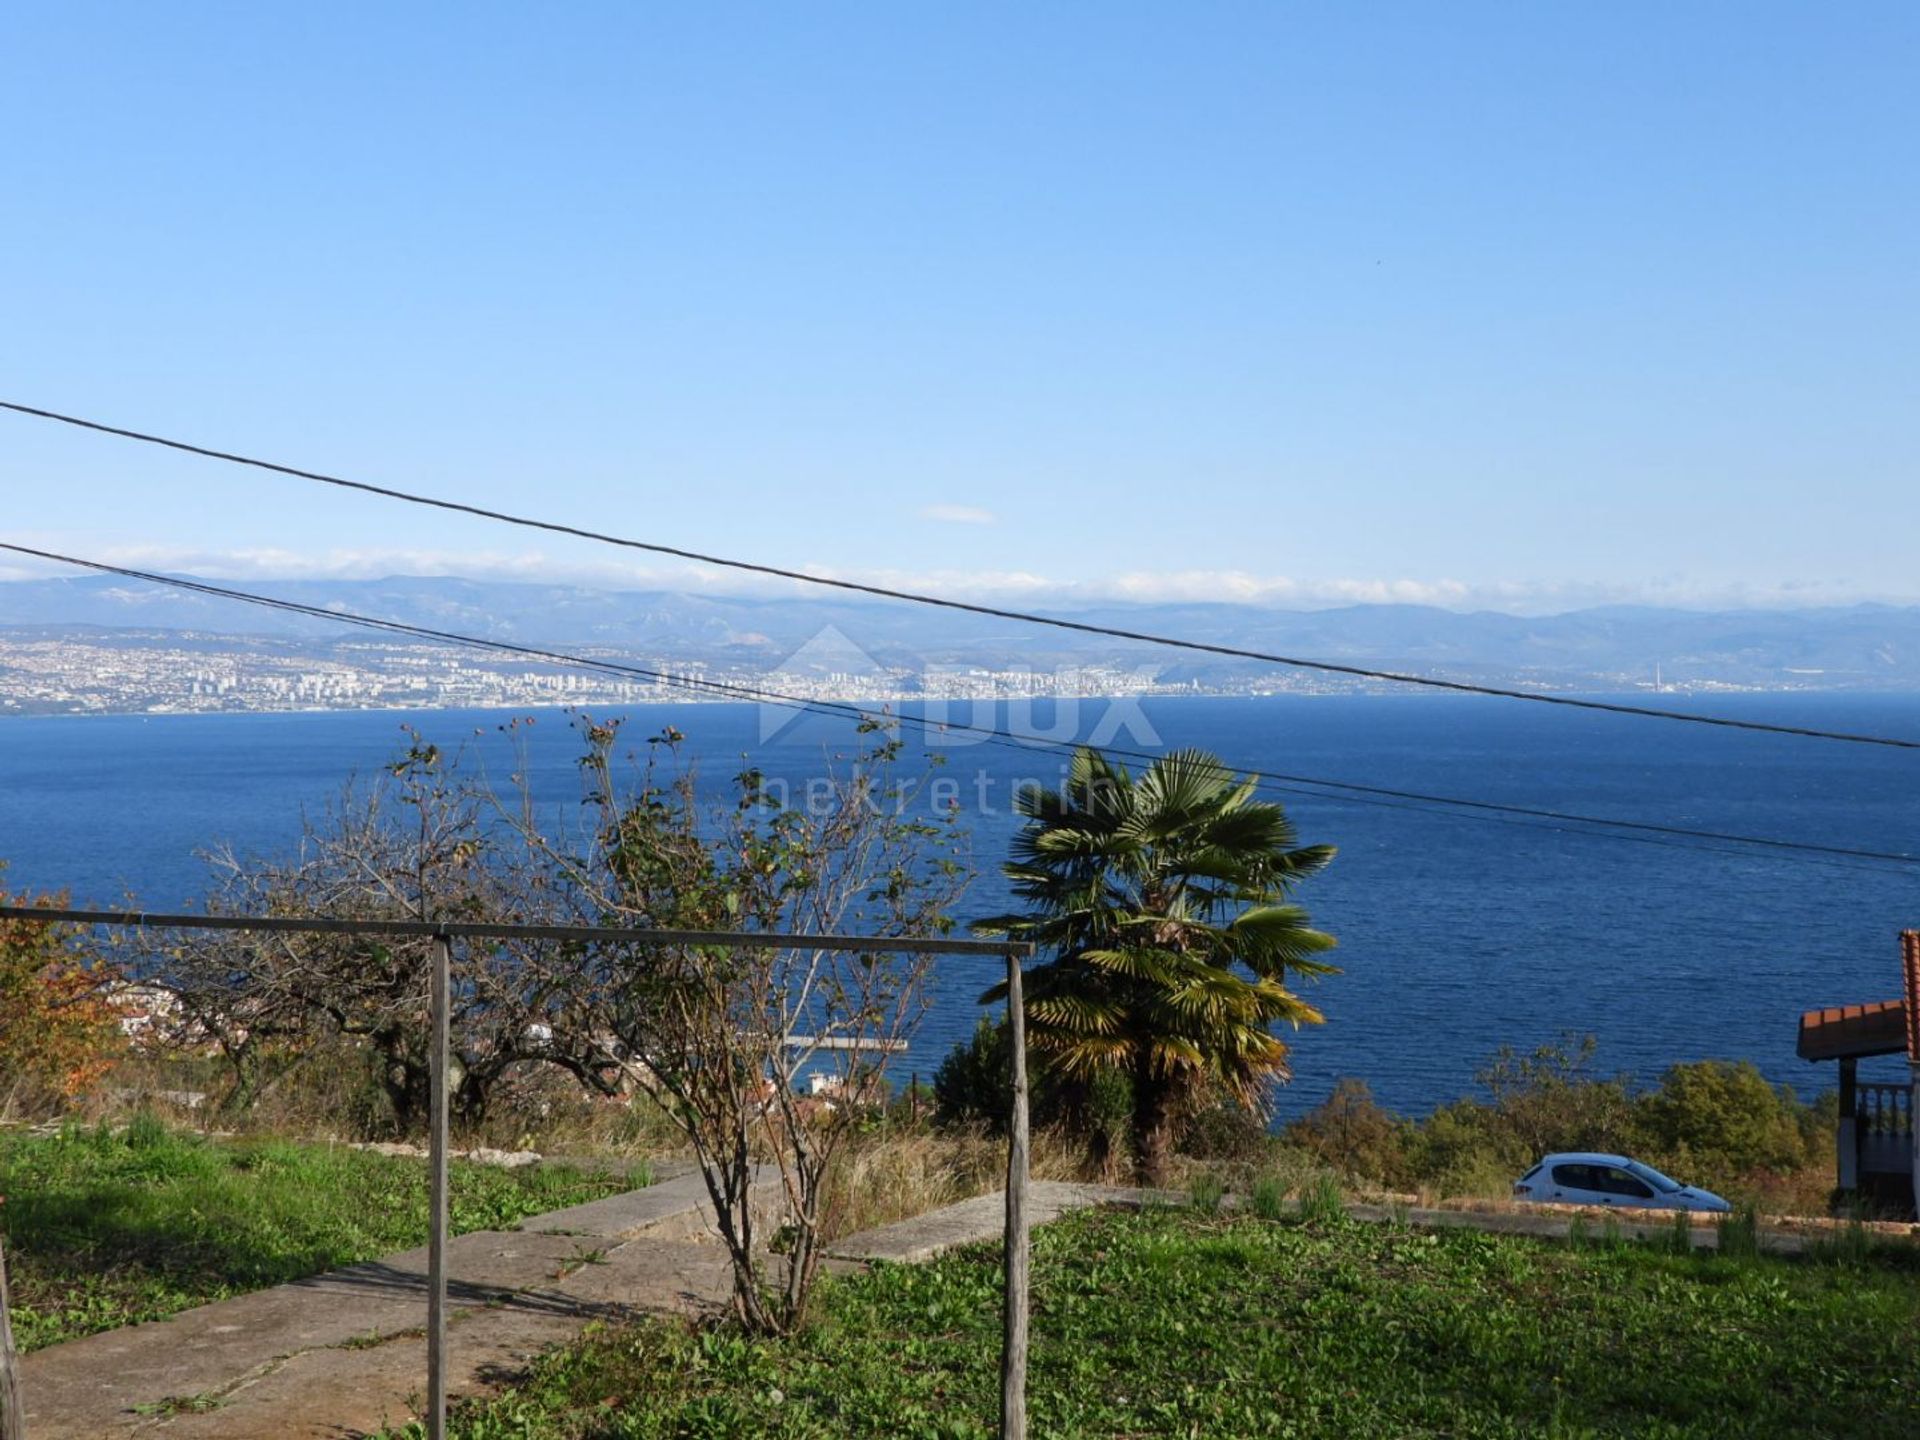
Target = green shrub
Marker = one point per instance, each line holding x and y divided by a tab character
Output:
1226	1132
1724	1119
1458	1145
1208	1190
1548	1100
971	1087
971	1090
1477	1173
1849	1246
1711	1122
1353	1134
1740	1234
145	1131
1679	1236
1267	1198
1321	1202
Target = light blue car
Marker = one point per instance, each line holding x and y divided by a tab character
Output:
1588	1178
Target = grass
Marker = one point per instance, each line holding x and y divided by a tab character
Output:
1173	1323
107	1227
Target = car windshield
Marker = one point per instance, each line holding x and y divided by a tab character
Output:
1654	1178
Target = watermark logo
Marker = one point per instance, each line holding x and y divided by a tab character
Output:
958	705
829	668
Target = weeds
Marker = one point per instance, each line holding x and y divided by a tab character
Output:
1321	1202
1849	1246
1679	1236
1207	1191
1739	1237
1268	1197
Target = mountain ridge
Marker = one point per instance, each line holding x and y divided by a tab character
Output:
1855	644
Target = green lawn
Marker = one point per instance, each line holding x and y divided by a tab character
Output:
1172	1324
108	1228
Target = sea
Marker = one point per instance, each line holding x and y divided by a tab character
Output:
1459	932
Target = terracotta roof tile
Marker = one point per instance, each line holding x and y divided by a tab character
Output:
1840	1031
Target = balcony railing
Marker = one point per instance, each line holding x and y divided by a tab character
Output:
1883	1128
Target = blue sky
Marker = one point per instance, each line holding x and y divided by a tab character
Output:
1522	306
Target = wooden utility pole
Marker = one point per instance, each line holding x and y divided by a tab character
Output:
1013	1355
437	1195
13	1415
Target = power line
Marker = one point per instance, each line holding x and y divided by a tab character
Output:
1348	791
1580	830
944	602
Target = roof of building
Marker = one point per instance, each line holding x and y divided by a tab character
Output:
1849	1032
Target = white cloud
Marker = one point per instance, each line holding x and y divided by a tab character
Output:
957	514
1003	587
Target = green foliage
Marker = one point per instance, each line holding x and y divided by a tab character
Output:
1207	1192
1740	1234
971	1089
1713	1117
1355	1134
1226	1133
1680	1233
973	1084
1321	1202
1850	1246
1710	1122
108	1228
1267	1198
1549	1099
1164	901
146	1132
1164	1323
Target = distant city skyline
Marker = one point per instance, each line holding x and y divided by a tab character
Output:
1480	306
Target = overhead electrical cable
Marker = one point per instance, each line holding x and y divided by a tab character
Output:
1345	791
1058	622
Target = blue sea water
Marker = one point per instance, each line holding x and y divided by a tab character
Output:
1457	935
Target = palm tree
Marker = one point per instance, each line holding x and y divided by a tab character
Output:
1162	899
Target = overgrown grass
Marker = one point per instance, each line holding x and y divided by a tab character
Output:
892	1173
109	1227
1173	1323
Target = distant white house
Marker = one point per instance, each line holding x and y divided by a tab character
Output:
1878	1143
147	1012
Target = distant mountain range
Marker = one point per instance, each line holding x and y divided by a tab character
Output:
1854	647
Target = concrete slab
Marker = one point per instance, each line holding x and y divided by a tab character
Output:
679	1205
355	1334
345	1353
353	1390
92	1386
909	1242
673	1209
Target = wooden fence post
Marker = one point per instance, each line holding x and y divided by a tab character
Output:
1013	1355
437	1194
13	1415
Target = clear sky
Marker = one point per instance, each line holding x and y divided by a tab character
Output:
1520	305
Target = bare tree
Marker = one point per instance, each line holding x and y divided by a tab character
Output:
420	843
761	1056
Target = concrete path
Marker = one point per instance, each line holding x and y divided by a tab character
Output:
984	1217
344	1353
